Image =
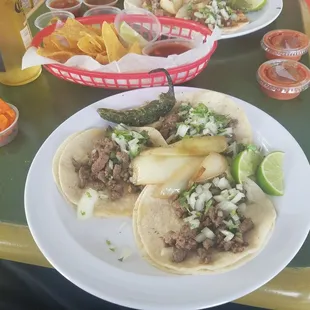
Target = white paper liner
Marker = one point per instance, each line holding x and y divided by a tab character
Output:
130	62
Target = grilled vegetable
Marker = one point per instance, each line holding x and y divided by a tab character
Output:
146	114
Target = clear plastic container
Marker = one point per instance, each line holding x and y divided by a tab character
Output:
43	20
165	48
138	24
102	10
8	135
95	3
285	44
283	79
73	9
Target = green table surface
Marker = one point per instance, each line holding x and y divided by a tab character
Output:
45	103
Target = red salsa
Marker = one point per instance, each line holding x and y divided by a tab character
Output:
285	44
63	4
165	49
283	79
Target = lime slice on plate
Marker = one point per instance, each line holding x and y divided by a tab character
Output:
130	35
270	174
248	5
245	164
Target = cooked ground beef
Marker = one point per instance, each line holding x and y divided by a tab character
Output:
169	125
184	241
107	169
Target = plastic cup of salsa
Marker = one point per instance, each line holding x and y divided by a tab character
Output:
165	48
8	135
72	6
95	3
44	20
285	44
283	79
102	10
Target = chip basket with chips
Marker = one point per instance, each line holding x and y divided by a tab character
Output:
170	27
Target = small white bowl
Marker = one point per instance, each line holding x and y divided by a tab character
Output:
43	20
104	2
74	9
102	10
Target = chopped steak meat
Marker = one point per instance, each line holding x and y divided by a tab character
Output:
178	255
178	209
246	225
107	169
170	238
216	216
169	125
204	255
207	244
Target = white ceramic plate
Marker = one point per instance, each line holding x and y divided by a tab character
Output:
258	20
78	250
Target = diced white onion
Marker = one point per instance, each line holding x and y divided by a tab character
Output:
239	187
200	237
229	235
242	208
238	197
192	200
216	182
227	206
219	198
182	130
201	200
111	164
208	233
85	207
223	184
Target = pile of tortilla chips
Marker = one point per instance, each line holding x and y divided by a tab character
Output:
74	38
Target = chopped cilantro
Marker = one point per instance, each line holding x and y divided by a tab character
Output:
108	242
201	110
83	213
121	259
88	194
112	249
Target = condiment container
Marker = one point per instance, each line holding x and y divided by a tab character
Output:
285	44
45	19
8	135
283	79
102	10
137	24
165	48
95	3
72	6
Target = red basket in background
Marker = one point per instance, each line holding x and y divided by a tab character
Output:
170	27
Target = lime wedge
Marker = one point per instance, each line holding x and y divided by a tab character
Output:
270	174
130	35
245	164
248	5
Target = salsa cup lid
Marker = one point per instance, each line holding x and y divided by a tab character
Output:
43	20
285	42
102	10
137	23
103	2
285	76
72	8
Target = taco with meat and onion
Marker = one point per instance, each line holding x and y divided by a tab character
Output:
98	161
206	113
213	14
211	227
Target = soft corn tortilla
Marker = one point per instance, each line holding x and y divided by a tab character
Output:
220	104
153	218
78	147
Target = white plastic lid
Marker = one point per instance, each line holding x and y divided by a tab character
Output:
102	10
144	24
43	20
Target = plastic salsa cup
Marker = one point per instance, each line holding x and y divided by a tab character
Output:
8	134
72	6
285	44
283	79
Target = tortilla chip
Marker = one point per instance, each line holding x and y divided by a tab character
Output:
102	58
89	45
135	48
115	49
60	56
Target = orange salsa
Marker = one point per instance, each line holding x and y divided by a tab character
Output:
7	116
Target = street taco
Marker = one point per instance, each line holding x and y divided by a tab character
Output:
213	13
196	234
99	159
206	113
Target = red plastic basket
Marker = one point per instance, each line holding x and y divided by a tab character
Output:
170	27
